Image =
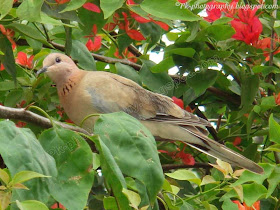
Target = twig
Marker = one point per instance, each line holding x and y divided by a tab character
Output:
167	167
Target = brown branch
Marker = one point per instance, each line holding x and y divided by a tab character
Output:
30	117
167	167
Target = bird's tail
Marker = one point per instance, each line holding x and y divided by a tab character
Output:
217	150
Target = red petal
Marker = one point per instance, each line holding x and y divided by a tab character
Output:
92	7
213	11
130	2
134	34
94	29
30	62
139	18
62	1
97	43
237	141
164	26
182	1
20	124
89	45
109	26
22	59
2	67
178	101
126	22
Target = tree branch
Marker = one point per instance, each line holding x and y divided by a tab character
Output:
30	117
167	167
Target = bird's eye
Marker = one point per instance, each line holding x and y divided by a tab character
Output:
57	60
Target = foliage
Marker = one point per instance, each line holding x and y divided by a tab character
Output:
228	64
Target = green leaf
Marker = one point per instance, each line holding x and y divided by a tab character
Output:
4	176
151	31
133	198
128	72
133	148
163	66
14	97
273	180
5	7
54	12
274	130
249	89
228	204
31	205
168	9
265	70
187	52
28	31
201	80
7	59
113	176
184	174
82	55
253	192
273	148
30	10
73	5
217	32
73	158
248	176
157	82
110	6
24	176
21	151
110	203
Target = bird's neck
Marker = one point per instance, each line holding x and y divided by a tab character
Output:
66	87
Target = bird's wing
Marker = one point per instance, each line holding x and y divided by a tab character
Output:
117	93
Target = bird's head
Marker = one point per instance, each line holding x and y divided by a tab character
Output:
58	67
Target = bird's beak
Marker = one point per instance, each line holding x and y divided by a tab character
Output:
42	70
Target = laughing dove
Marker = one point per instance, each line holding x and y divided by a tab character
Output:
83	93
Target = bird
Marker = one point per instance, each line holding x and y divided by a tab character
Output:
83	93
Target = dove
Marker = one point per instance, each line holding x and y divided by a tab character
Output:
83	93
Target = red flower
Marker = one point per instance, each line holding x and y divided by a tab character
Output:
256	205
127	54
277	99
69	121
189	109
130	2
20	124
237	141
9	33
132	33
24	61
58	205
265	45
62	1
213	11
2	67
92	7
94	45
178	101
182	1
109	26
141	19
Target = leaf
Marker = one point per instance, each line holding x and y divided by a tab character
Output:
253	192
128	72
113	176
249	89
13	97
274	130
273	180
20	186
30	157
5	7
73	5
73	158
54	12
239	190
184	174
265	70
157	82
133	148
4	176
8	59
201	80
30	10
163	66
228	204
110	6
273	148
28	31
24	176
110	203
168	10
217	32
151	31
133	198
187	52
82	55
31	205
248	176
208	180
